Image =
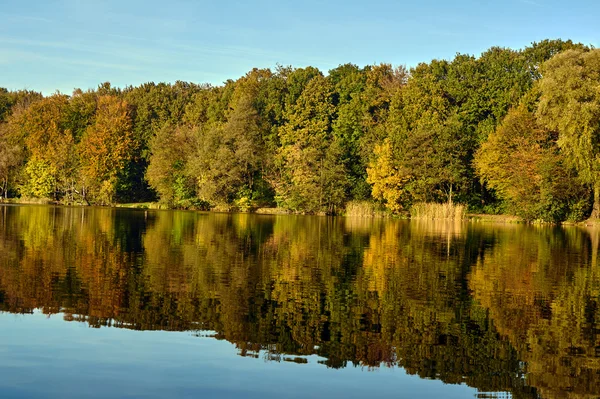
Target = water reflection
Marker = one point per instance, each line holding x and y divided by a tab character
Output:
500	308
541	287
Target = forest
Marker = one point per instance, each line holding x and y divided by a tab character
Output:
508	132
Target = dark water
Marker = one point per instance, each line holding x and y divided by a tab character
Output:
123	303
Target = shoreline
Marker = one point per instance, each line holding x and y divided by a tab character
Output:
469	217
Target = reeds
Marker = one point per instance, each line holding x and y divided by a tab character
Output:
364	209
430	210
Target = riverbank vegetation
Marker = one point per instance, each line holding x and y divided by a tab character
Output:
510	131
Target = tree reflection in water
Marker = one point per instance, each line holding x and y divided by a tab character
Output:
501	308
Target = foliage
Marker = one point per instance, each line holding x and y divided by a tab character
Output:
10	158
43	131
41	179
310	143
521	162
387	179
167	172
227	156
312	177
570	105
105	148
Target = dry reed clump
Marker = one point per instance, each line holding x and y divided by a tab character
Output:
365	209
429	210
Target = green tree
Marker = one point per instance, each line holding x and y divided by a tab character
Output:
349	83
570	105
228	156
383	84
151	107
168	172
429	143
82	110
11	156
312	177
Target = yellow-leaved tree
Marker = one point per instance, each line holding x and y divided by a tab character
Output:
387	180
105	148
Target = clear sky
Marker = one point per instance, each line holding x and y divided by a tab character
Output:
47	45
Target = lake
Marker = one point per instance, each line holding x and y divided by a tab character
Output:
104	302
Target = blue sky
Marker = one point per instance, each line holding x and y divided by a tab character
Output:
62	44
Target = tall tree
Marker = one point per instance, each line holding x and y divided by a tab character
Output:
106	147
168	170
429	142
349	83
82	110
42	129
522	163
570	105
10	157
228	156
312	174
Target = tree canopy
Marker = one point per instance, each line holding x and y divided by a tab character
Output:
496	132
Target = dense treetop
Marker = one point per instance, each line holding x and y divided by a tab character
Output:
514	131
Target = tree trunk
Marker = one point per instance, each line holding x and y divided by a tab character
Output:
596	209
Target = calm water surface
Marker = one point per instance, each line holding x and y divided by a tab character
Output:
153	304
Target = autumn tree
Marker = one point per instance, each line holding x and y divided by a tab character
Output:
16	101
522	163
43	131
105	148
388	178
11	145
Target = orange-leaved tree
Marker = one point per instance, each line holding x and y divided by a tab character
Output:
105	148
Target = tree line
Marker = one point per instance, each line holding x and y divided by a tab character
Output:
510	131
